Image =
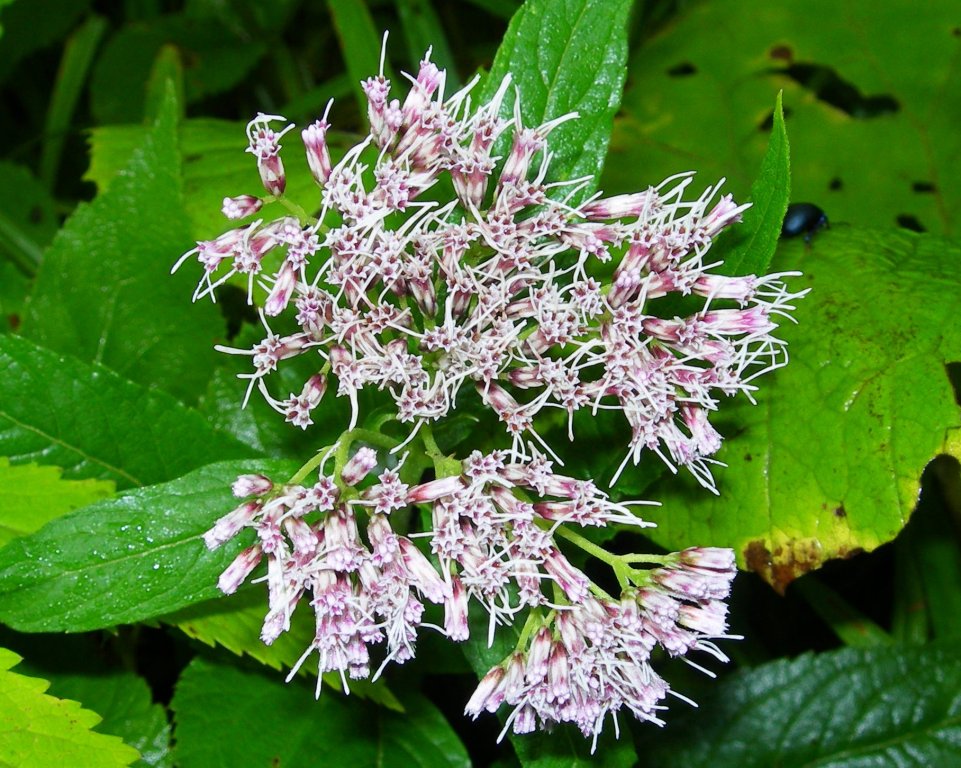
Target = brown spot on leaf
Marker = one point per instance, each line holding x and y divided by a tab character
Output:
782	52
840	511
757	556
748	457
14	321
790	559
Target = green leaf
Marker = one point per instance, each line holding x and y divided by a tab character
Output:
423	30
96	424
215	166
215	57
14	286
829	462
78	54
78	667
749	248
567	56
32	496
167	72
22	35
104	292
897	705
928	568
125	559
28	218
294	730
702	88
41	730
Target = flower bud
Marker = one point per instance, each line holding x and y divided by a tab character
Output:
241	206
359	466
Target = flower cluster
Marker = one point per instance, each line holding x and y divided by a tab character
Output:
490	543
519	296
595	658
590	655
506	290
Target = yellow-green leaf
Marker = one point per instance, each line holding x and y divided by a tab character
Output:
37	729
829	462
31	496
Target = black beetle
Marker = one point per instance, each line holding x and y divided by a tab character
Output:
803	218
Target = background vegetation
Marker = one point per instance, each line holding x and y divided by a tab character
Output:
841	495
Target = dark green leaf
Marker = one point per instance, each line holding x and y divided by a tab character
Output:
28	219
567	56
423	30
22	34
216	59
504	9
748	249
104	292
59	411
14	286
123	700
852	627
898	705
235	622
294	730
71	79
260	426
123	560
928	550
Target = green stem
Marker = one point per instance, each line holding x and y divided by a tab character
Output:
589	546
534	621
343	449
296	210
444	466
647	558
